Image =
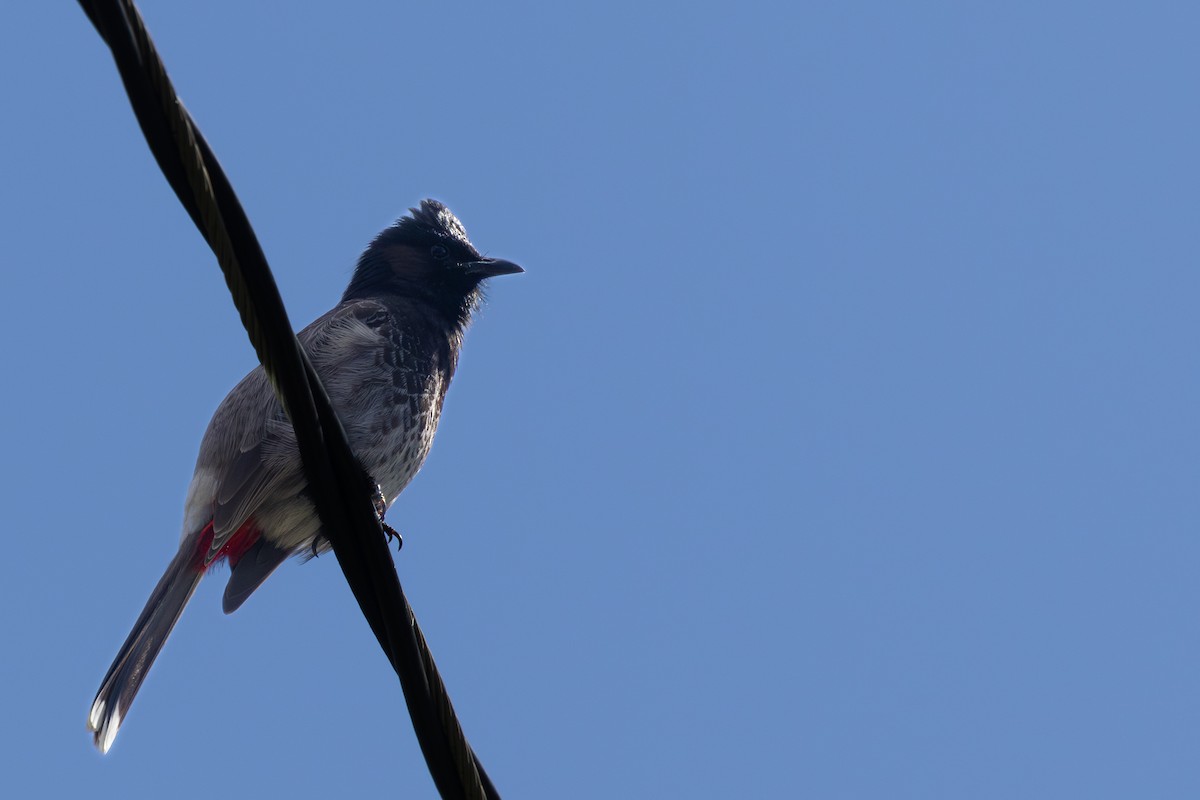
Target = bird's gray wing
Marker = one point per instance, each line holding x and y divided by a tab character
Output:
250	448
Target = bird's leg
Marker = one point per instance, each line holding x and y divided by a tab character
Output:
380	502
380	509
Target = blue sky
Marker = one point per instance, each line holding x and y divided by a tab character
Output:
840	440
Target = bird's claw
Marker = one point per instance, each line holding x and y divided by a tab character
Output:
381	506
392	533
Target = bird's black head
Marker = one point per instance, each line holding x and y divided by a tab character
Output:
427	256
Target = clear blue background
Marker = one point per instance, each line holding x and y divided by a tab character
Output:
840	442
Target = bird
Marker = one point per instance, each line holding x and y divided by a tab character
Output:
386	354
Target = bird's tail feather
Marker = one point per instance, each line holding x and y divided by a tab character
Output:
149	633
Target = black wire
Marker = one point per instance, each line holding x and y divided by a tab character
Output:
339	485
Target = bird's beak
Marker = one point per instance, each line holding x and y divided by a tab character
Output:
490	268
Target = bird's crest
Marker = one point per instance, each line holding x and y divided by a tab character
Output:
433	219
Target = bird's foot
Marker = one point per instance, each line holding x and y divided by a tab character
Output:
381	504
392	533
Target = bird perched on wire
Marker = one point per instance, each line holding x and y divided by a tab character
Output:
386	354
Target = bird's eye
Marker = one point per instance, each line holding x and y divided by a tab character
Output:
439	252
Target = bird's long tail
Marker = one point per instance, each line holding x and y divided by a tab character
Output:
149	633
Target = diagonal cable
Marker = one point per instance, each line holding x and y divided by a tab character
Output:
340	487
